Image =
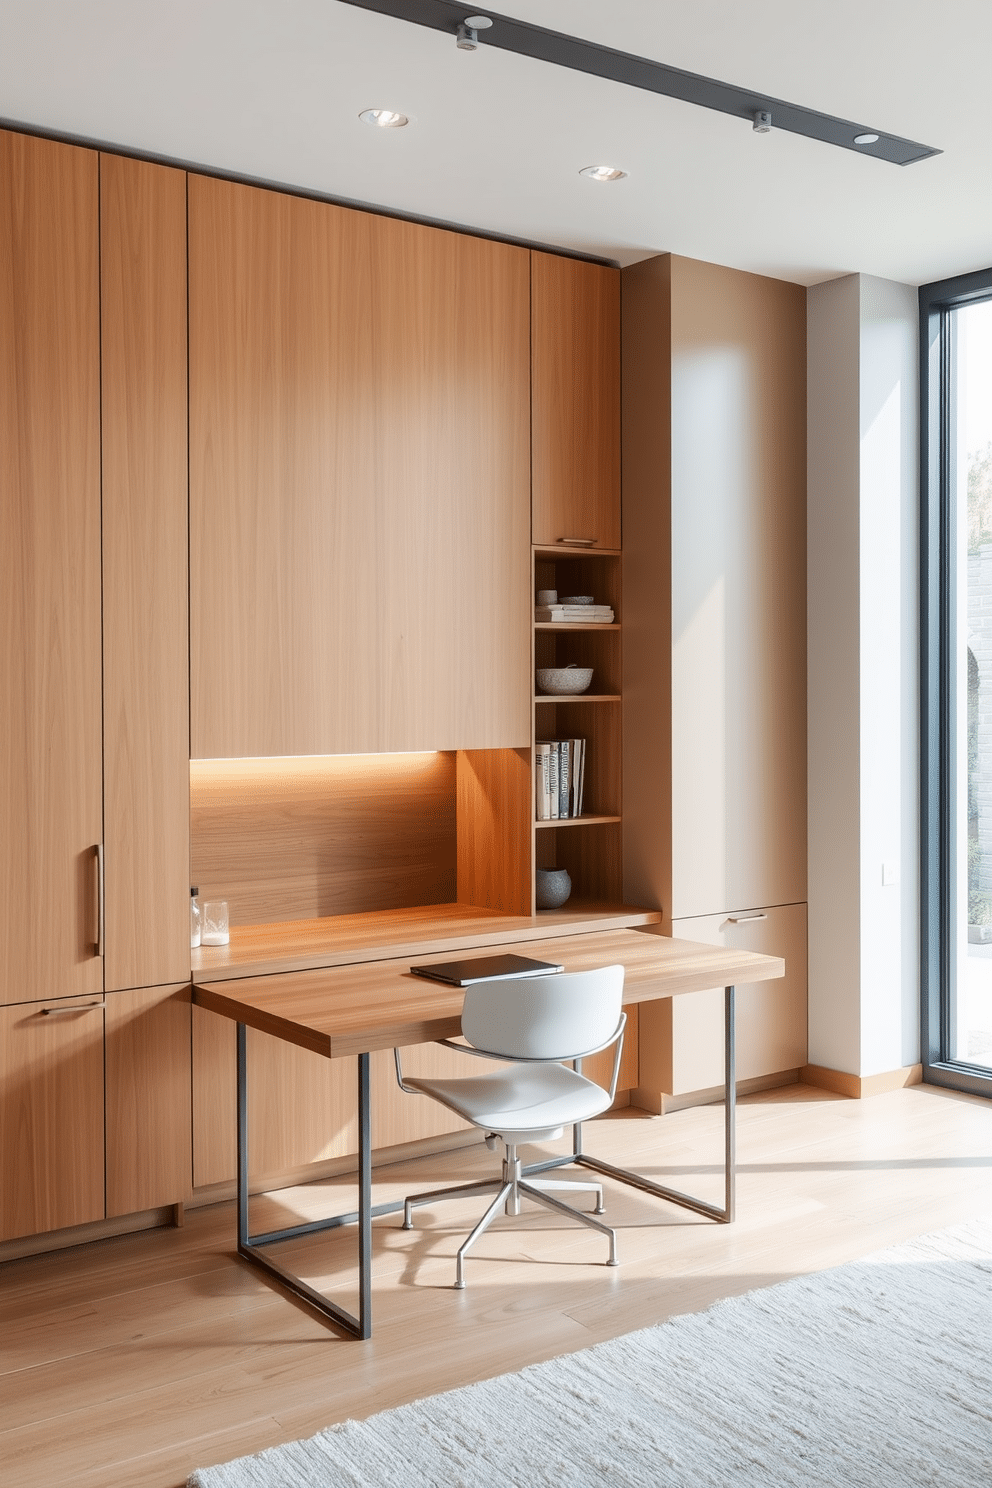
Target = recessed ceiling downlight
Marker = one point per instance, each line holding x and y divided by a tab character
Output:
603	172
866	139
383	118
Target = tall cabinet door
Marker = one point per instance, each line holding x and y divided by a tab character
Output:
359	481
738	590
51	807
575	351
145	572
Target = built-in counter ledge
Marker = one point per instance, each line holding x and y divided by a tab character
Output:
303	945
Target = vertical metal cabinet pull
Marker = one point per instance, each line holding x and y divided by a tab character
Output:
101	920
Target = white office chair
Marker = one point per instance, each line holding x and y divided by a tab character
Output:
538	1022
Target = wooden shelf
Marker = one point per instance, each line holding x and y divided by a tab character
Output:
300	945
577	697
577	821
567	625
562	550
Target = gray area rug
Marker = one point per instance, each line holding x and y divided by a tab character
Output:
875	1375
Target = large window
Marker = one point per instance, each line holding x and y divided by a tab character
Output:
956	376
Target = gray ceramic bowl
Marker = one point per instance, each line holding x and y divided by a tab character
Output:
566	681
553	887
577	599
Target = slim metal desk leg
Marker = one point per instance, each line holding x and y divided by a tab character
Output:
250	1246
730	1099
724	1214
364	1199
242	1138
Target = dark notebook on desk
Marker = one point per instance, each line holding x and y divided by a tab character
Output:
485	969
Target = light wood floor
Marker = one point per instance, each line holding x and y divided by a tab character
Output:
133	1360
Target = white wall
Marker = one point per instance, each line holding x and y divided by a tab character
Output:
863	675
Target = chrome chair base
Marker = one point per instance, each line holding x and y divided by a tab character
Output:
509	1190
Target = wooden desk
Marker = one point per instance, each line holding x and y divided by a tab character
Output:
352	1010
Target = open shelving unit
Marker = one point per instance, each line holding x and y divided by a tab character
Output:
589	846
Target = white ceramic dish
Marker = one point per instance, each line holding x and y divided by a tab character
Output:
564	681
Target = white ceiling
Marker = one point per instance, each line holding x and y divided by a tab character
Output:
272	89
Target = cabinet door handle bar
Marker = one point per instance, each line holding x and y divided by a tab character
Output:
745	919
66	1012
101	917
578	542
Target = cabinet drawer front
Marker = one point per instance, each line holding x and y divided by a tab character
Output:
51	1115
682	1040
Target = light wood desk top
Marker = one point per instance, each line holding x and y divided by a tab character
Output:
348	1010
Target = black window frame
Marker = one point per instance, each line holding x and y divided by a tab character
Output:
937	481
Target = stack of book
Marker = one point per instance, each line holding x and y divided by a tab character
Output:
559	778
563	614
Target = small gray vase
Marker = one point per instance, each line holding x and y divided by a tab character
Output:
553	887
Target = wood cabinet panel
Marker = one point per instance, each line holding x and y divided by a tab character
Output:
51	1116
359	458
494	832
51	800
575	352
714	588
302	1108
738	590
301	839
681	1040
149	1098
145	572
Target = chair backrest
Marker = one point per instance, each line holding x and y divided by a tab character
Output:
561	1016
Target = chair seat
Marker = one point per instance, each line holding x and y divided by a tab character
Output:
520	1097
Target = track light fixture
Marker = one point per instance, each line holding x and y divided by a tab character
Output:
467	38
762	122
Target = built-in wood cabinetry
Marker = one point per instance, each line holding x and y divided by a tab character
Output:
51	1115
51	780
145	572
715	630
313	692
302	1108
681	1052
575	360
149	1099
359	481
94	732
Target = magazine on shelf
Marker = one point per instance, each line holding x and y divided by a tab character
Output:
570	614
559	769
542	777
554	759
564	776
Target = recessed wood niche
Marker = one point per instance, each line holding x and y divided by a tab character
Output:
301	839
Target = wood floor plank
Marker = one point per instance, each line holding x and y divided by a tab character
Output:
127	1362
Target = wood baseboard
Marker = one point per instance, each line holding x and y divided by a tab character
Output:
857	1087
97	1229
660	1103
